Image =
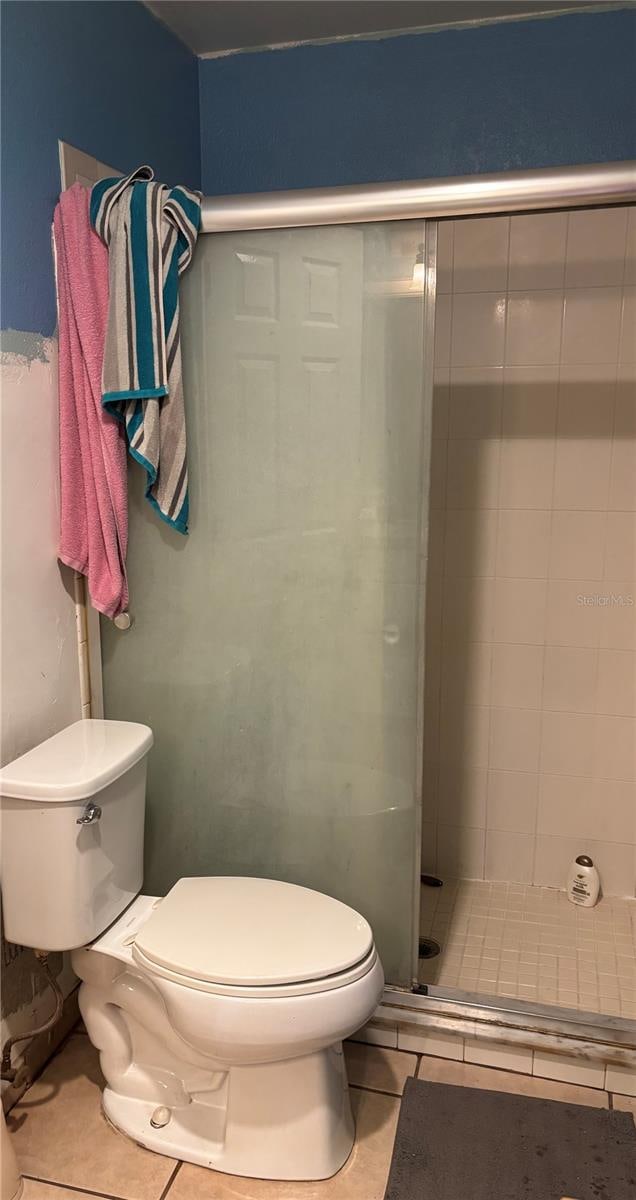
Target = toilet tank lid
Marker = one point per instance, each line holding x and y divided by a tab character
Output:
77	762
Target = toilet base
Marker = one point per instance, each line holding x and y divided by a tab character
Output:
246	1084
287	1121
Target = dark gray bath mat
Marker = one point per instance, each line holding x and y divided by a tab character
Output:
458	1143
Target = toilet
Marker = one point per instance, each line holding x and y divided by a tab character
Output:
218	1010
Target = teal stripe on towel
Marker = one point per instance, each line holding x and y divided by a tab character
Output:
144	340
170	292
191	210
134	394
97	195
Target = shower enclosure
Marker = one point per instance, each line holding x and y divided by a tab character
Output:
530	729
276	652
319	659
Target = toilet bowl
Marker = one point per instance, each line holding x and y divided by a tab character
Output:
218	1010
216	1043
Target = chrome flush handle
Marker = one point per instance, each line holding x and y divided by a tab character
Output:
91	813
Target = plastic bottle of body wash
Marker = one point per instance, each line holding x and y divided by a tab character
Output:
583	882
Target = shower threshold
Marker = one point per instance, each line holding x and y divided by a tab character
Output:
515	1022
495	976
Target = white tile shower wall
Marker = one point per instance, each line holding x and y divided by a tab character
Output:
530	713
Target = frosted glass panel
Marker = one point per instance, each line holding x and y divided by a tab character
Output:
275	650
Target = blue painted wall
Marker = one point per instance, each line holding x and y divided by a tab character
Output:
493	98
109	79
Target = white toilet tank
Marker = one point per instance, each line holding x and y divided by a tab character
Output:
72	833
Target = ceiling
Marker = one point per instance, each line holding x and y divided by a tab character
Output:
219	26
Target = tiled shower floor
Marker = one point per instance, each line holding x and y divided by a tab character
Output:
531	943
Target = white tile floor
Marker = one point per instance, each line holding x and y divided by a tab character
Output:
531	943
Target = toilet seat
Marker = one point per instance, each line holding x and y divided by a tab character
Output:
273	991
256	937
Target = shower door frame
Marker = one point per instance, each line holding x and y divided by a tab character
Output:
583	186
568	187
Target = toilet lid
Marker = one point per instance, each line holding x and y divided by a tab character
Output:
252	932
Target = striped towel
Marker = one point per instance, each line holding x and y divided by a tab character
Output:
150	232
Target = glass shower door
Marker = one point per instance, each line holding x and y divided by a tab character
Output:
276	651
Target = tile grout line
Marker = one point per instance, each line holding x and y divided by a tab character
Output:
464	1062
101	1195
496	542
508	1071
357	1087
73	1188
551	511
171	1180
434	1058
483	1067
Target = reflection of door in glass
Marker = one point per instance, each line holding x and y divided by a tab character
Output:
275	652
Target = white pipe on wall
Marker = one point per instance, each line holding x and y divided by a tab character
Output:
464	195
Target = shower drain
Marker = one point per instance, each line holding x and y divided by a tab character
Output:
429	948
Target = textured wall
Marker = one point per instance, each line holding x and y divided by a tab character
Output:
109	79
39	681
494	98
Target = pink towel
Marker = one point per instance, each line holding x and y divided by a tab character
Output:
94	510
